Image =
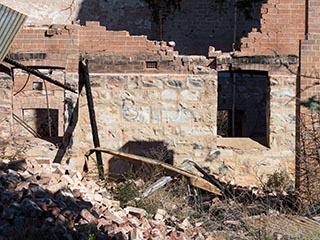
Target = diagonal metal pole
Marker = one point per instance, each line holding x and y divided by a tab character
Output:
38	74
85	79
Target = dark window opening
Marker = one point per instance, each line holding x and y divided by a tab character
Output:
44	121
151	64
224	122
37	86
243	105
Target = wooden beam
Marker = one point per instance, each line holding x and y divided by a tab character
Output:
85	79
194	180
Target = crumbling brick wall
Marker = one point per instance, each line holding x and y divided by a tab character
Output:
194	25
55	46
55	51
95	38
37	102
282	26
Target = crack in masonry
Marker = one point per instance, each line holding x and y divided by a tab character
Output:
70	8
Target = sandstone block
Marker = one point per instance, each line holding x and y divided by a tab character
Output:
195	82
174	83
169	94
152	83
190	95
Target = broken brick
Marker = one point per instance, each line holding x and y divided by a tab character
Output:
88	216
138	212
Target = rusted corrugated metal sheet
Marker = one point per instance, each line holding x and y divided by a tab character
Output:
11	22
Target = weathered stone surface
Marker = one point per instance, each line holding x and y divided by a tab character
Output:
146	105
283	93
195	82
152	83
169	94
189	95
174	83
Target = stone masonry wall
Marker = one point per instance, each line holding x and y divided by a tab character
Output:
175	109
56	50
162	107
245	160
58	47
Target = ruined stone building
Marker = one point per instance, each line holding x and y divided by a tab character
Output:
210	81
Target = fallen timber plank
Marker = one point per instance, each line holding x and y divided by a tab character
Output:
194	180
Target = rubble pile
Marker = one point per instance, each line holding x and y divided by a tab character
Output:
44	200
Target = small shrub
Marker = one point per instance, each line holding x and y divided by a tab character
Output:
126	192
279	181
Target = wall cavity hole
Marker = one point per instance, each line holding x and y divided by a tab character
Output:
151	64
37	86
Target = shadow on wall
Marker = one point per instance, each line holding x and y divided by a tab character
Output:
157	150
193	25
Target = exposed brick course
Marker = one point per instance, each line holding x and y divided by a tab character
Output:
282	26
60	45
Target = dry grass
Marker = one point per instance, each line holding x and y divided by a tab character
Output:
217	215
221	215
174	197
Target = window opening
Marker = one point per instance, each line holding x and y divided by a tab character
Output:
243	105
37	118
